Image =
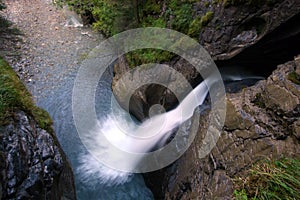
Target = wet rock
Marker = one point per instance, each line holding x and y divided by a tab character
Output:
236	27
32	166
170	85
261	121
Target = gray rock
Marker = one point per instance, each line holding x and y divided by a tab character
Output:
262	121
235	28
33	165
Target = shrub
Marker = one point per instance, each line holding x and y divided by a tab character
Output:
113	17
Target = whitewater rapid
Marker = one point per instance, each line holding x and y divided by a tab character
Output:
123	133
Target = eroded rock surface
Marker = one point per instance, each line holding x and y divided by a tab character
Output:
238	26
262	121
32	164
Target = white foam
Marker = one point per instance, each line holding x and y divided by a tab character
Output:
92	172
153	131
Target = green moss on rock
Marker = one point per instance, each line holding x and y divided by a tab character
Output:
252	3
294	77
258	101
14	96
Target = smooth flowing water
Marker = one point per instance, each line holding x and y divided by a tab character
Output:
59	104
135	138
93	179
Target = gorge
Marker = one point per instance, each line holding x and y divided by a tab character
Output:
246	41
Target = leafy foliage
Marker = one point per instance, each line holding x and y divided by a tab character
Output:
14	96
271	179
143	56
114	16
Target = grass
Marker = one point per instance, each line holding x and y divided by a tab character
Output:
270	179
14	96
294	77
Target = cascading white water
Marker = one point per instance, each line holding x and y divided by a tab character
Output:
154	132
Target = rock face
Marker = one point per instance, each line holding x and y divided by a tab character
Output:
168	88
261	121
238	25
255	37
32	164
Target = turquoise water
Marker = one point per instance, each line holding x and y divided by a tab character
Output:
59	104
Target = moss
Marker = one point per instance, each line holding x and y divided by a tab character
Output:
14	96
143	56
198	23
270	179
258	101
252	3
151	21
195	27
294	77
207	18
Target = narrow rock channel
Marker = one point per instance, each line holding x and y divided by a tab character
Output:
47	58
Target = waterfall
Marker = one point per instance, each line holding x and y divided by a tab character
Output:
134	138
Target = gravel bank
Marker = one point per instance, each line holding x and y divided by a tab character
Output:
47	51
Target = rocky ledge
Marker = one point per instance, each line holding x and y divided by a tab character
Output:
32	163
261	121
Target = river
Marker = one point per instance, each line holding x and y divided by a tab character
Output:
51	53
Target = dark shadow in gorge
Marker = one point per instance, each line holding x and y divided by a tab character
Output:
275	48
261	59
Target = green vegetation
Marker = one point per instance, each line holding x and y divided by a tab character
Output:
198	23
270	179
14	96
111	17
252	3
258	101
142	56
114	16
294	77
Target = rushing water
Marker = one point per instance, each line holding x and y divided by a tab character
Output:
93	179
59	104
